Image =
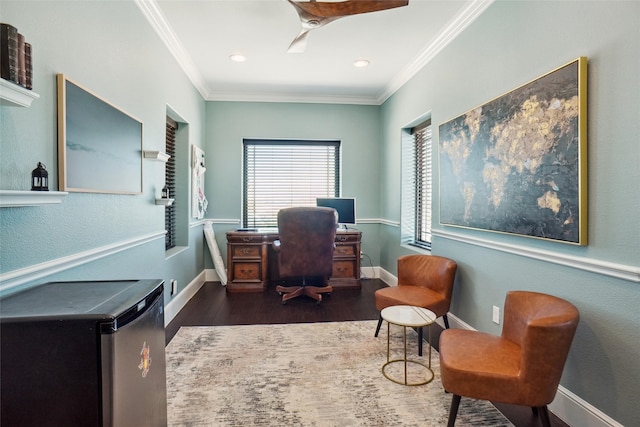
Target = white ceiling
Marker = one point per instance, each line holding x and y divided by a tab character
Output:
202	34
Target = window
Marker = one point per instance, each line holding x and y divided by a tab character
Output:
417	185
170	182
284	173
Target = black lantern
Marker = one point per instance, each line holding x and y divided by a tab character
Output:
40	178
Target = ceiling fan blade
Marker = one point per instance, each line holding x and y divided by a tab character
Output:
344	8
299	44
314	14
309	22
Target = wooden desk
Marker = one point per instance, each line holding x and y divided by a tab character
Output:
252	265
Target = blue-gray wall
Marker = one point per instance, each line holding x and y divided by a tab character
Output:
109	48
356	126
510	44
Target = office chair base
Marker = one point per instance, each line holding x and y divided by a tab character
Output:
315	292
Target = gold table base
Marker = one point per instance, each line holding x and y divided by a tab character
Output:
406	361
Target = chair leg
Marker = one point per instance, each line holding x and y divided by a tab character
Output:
292	293
446	321
316	292
379	324
453	411
543	412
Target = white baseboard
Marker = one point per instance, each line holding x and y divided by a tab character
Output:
173	307
179	301
576	412
369	273
211	275
387	277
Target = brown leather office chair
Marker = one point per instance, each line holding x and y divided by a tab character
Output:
424	281
305	250
522	366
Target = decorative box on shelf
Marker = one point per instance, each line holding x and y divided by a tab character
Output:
15	96
156	155
164	202
10	198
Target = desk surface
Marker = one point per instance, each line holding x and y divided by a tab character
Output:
274	230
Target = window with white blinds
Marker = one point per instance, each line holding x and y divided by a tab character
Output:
170	182
285	173
417	189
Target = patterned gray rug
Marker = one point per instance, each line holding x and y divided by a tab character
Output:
310	374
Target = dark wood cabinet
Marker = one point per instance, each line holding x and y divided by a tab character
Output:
251	263
346	260
248	260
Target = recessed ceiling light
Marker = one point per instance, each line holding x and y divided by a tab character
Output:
236	57
360	63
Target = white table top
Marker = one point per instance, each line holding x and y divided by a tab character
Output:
408	315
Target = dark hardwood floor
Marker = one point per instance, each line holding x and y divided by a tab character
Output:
213	306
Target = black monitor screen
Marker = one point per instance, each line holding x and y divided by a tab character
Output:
345	206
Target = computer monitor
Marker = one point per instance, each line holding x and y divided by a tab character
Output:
345	206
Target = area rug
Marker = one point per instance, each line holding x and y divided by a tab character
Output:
308	374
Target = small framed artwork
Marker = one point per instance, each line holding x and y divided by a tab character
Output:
99	145
518	164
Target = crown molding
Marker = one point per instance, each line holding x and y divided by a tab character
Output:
159	23
291	97
455	27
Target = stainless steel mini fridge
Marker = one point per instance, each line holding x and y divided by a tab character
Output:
83	354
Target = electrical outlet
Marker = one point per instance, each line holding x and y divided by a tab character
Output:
174	286
496	314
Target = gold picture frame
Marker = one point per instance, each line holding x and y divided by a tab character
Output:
518	163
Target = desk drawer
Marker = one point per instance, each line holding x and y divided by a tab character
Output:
240	238
246	251
347	237
344	269
345	250
247	271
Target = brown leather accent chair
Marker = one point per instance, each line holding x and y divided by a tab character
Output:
304	249
423	281
522	366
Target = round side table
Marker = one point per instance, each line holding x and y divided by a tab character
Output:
413	317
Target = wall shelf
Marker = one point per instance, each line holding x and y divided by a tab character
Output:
156	155
164	202
13	95
10	198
